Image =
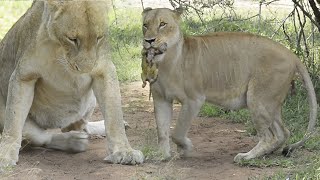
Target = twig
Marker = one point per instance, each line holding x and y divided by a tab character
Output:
286	34
270	2
142	5
296	30
302	33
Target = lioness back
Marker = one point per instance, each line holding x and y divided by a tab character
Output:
20	38
226	61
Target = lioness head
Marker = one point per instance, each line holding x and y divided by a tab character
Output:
161	29
79	28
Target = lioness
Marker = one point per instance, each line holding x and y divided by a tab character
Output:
53	65
233	70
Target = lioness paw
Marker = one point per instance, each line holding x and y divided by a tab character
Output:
242	156
78	142
8	155
70	141
130	157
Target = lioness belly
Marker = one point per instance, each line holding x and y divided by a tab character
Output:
227	96
232	103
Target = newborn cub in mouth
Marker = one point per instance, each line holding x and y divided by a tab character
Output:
149	68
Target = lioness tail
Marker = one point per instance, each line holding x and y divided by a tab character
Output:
312	106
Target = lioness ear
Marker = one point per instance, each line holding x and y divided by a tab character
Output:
55	3
55	7
146	10
179	10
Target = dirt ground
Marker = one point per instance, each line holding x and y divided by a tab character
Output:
215	141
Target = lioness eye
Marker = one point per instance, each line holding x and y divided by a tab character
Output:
99	39
74	41
163	24
145	26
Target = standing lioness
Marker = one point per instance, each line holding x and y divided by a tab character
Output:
233	70
53	63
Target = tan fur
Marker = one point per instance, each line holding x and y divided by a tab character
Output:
53	64
233	70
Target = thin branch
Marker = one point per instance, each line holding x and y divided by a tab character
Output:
282	23
260	11
115	12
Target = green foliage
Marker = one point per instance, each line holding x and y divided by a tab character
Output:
209	110
239	116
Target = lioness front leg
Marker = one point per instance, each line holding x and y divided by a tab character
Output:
189	110
106	88
163	115
19	100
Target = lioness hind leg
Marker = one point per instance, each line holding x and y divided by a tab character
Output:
280	130
266	117
69	141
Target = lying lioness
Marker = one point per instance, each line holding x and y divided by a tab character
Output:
233	70
53	65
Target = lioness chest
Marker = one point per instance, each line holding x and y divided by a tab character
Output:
61	97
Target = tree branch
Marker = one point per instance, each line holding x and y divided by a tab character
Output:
307	14
315	10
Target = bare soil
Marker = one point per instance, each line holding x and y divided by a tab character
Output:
215	141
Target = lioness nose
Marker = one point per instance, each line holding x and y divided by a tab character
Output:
150	40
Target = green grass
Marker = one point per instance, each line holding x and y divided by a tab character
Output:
125	39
